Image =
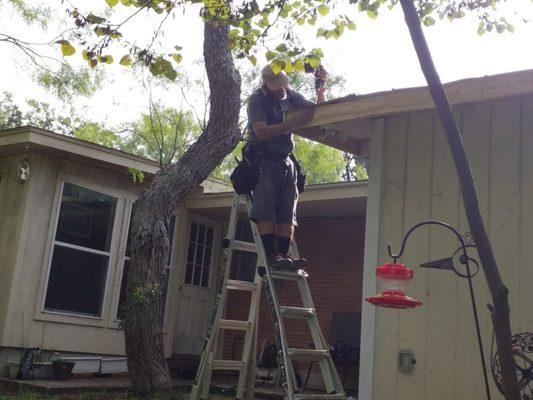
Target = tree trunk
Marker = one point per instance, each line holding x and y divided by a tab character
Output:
499	292
150	237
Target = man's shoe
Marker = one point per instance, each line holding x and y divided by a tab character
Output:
279	263
297	263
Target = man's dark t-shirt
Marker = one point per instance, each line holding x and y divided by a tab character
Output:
264	108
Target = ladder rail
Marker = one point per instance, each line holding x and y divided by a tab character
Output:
285	354
202	380
290	378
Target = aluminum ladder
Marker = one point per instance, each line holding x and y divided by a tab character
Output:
246	365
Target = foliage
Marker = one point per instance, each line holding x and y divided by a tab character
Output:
67	83
31	14
251	24
97	133
39	114
162	135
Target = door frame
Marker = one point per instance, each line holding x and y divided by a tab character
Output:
182	241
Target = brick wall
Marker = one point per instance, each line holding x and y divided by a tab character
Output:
334	247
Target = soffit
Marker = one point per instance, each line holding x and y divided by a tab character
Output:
346	123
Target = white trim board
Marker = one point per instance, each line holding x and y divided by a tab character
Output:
368	311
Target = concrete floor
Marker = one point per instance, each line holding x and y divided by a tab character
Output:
118	384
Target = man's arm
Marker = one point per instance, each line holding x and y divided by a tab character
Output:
263	131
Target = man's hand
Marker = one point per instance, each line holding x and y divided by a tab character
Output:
301	117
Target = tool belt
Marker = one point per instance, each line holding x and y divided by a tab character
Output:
246	174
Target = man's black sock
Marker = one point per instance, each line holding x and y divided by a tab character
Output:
284	243
268	244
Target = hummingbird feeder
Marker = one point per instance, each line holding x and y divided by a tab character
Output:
393	279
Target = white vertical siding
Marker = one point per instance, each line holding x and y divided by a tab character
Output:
419	182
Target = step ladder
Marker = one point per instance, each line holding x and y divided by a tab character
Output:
245	367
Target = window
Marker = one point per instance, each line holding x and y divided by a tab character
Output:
243	263
81	251
199	255
125	269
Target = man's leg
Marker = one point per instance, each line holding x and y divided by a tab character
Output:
286	215
284	236
263	212
267	231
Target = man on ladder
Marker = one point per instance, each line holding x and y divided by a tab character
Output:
273	206
269	148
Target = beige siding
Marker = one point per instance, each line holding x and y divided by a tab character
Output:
26	325
419	182
13	194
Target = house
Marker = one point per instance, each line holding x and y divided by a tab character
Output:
65	206
344	230
413	179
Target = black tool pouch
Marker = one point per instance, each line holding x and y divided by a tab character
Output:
300	176
245	175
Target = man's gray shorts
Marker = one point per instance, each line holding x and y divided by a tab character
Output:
275	195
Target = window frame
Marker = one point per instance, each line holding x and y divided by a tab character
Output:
113	321
199	219
41	313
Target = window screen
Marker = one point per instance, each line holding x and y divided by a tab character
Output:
80	256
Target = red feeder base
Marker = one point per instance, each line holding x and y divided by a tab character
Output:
394	299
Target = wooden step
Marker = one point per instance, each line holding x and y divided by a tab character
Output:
228	365
319	396
297	312
309	354
234	324
241	285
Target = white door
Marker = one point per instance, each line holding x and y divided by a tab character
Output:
197	290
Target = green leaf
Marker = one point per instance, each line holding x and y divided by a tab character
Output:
67	49
299	65
111	3
171	73
314	61
95	19
270	55
126	60
276	68
92	63
106	59
351	26
300	21
372	14
323	9
177	58
428	21
85	55
288	67
127	3
253	60
282	47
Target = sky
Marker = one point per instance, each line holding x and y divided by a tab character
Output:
378	56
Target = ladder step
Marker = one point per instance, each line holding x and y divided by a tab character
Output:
297	312
244	246
309	354
234	324
289	275
241	285
228	365
319	396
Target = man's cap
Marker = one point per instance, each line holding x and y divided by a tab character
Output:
272	80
